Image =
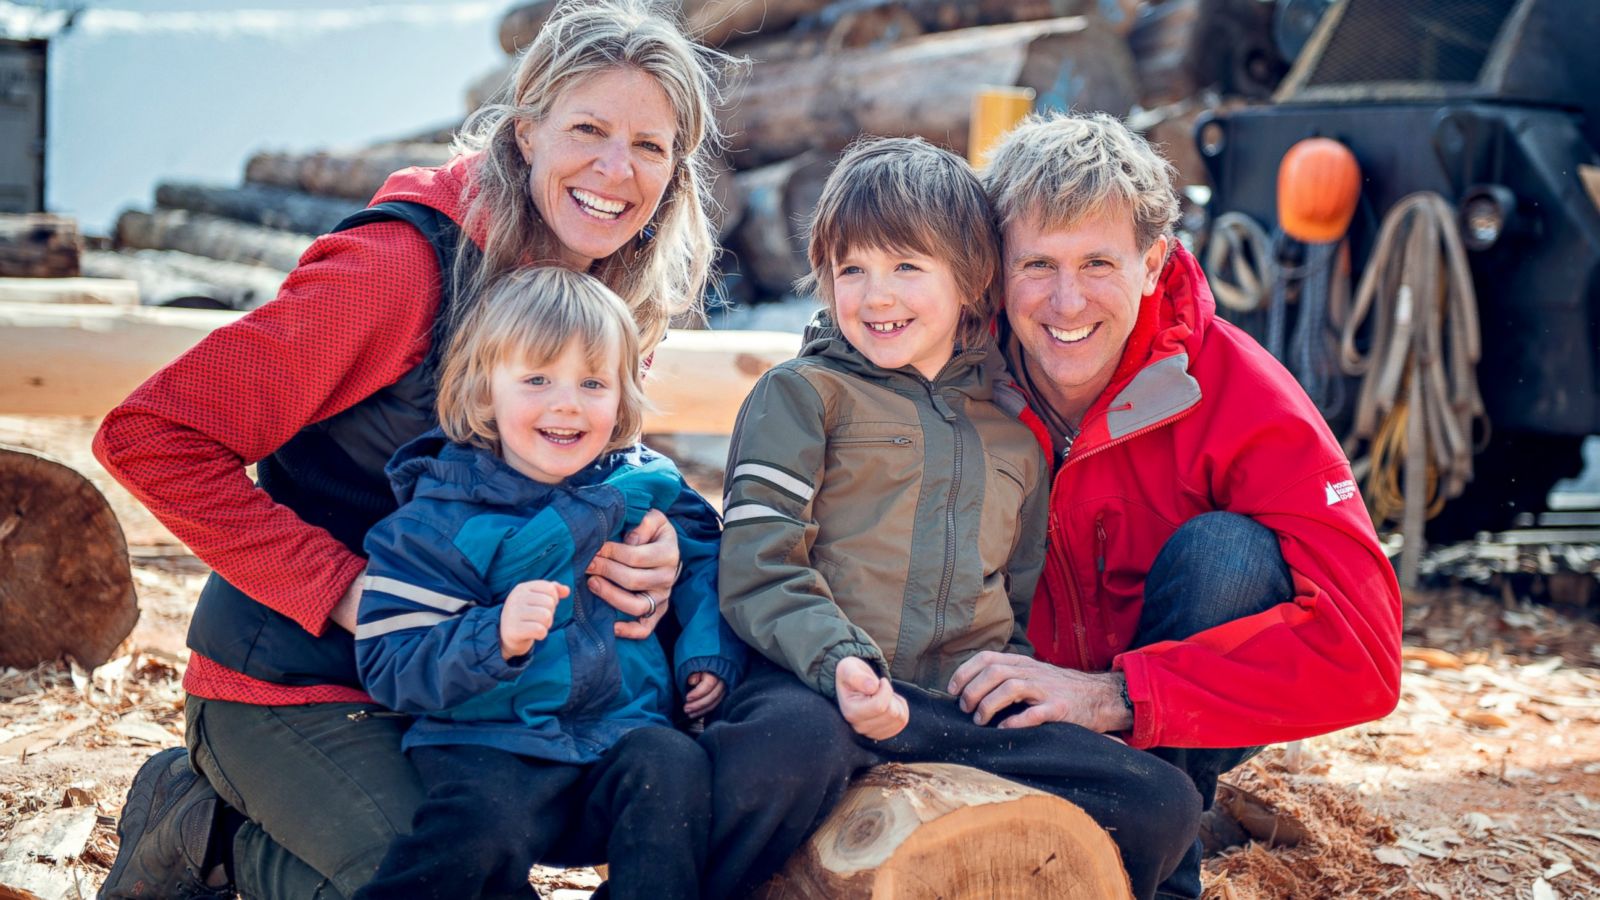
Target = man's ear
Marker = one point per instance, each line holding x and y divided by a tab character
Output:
1155	259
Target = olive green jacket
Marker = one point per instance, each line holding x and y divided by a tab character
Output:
877	514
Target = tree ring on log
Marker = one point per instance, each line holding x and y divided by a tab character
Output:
65	583
926	830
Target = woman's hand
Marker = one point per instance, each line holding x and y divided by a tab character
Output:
636	576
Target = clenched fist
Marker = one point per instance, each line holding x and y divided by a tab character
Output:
526	615
867	701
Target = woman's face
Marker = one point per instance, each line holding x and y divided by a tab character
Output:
600	162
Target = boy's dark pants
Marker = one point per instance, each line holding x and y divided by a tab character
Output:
490	815
782	756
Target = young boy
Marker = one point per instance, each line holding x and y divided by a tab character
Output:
885	521
540	735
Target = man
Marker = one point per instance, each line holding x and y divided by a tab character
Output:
1213	582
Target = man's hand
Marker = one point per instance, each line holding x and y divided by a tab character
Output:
705	692
867	701
989	682
526	615
646	562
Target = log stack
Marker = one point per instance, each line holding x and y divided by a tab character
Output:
39	245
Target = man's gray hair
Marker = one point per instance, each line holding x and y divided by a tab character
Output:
1061	167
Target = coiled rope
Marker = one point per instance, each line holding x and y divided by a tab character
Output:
1419	404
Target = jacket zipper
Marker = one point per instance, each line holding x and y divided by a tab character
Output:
1079	628
948	577
897	441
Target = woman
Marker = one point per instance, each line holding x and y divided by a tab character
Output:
592	162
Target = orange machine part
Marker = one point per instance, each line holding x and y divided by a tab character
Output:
1319	183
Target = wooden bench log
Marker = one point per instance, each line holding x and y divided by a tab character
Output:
99	287
39	245
926	831
210	236
67	585
280	208
696	382
925	86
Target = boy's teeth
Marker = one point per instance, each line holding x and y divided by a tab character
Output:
888	327
602	207
1069	337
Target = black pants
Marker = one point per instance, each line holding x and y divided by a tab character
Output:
782	756
644	808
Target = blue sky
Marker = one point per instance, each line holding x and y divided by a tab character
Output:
148	90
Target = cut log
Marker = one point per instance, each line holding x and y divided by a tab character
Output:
171	278
910	832
352	175
823	103
697	379
210	236
68	587
719	22
779	200
284	209
519	26
39	245
486	86
99	288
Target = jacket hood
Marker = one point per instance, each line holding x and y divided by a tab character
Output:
978	372
435	467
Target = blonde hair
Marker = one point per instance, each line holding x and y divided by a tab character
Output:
533	315
906	194
1062	167
662	271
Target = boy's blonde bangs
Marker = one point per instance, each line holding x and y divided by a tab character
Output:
531	316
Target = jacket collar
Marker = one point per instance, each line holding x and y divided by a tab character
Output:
1152	382
979	372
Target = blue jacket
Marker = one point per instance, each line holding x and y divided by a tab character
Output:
470	528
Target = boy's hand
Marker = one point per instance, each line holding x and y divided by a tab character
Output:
867	701
526	615
705	692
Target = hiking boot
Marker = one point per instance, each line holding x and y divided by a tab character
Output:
164	832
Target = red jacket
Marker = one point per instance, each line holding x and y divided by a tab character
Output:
353	317
1198	417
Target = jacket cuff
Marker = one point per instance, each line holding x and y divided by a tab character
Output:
318	621
720	666
1136	670
485	644
823	679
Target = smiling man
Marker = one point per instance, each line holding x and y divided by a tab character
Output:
1212	582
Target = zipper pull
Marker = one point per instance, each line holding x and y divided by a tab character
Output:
1100	545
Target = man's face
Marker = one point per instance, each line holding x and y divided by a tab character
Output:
1072	297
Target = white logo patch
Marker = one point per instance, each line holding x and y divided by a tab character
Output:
1338	493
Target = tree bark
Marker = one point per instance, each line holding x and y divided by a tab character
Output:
779	199
210	236
352	175
39	245
171	278
68	588
910	832
280	208
925	86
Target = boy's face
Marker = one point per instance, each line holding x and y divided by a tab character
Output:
898	307
556	417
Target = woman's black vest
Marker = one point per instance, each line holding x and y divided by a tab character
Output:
331	475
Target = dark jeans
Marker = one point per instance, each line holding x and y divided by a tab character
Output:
782	756
490	815
1215	568
325	795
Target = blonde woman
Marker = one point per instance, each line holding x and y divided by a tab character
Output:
592	161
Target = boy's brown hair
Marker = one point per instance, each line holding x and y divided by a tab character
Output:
532	314
906	194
